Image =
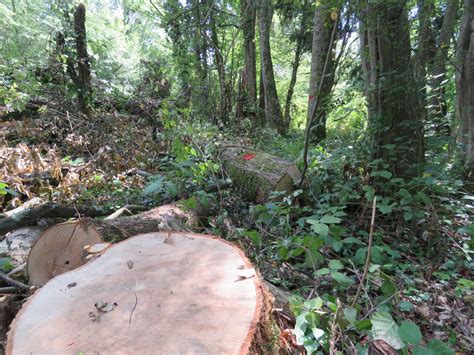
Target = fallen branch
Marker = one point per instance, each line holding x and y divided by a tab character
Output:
30	216
14	283
369	250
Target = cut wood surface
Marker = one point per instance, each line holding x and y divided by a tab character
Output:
258	174
157	293
61	247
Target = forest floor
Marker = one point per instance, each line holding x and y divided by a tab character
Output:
112	160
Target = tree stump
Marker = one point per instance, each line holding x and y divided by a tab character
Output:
164	293
258	174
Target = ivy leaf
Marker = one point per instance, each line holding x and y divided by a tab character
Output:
385	328
410	333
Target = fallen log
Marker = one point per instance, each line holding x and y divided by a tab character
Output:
23	217
163	293
258	174
61	247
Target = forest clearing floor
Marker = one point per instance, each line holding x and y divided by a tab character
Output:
112	160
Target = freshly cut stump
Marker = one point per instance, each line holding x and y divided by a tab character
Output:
157	293
59	249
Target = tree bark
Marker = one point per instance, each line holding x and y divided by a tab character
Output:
425	52
83	60
394	120
438	107
322	29
465	87
248	100
273	114
225	101
294	72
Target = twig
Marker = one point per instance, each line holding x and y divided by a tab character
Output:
14	283
369	250
17	270
8	289
126	208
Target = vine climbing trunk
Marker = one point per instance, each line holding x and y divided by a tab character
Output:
83	60
394	120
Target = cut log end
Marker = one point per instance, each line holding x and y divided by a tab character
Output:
59	249
159	292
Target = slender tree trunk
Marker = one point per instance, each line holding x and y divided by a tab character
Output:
394	120
248	99
272	105
438	108
225	101
425	52
465	86
322	30
83	60
261	98
294	72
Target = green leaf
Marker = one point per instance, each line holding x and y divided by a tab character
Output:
405	306
319	228
352	240
328	219
350	314
405	193
314	304
419	350
341	278
385	209
388	288
322	272
254	236
385	328
335	265
409	332
382	173
439	347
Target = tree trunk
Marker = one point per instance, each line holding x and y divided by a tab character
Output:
248	89
394	120
294	72
273	114
83	60
225	101
168	293
465	86
438	109
322	30
425	52
261	98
